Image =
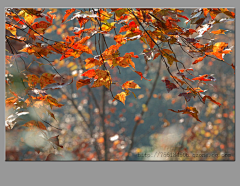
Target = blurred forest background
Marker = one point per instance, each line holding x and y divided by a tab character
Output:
158	131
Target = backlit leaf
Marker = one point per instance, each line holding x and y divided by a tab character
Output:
220	31
121	97
130	84
140	74
67	13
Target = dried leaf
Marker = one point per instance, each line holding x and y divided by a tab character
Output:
82	82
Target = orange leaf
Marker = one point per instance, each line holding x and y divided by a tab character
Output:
220	31
202	78
121	97
91	62
189	110
179	80
198	60
90	73
103	78
46	79
67	13
32	80
53	102
9	102
38	29
130	84
212	100
82	82
140	74
31	124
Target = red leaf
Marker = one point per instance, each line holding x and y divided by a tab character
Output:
189	110
140	74
82	82
170	86
202	78
68	12
90	73
198	60
188	69
182	16
212	100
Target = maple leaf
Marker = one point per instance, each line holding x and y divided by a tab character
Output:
28	17
202	78
179	80
121	97
186	95
166	53
38	29
218	50
52	101
50	17
188	69
212	100
82	82
67	13
219	31
140	74
57	85
198	60
90	73
46	79
92	62
130	84
120	39
32	80
32	124
102	78
170	86
189	110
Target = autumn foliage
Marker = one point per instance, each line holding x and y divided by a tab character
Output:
86	45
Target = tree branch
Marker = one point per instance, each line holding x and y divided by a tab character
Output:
142	112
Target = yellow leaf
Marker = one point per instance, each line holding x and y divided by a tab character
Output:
130	84
121	97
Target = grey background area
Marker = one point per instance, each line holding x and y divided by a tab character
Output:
117	173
